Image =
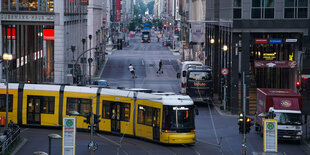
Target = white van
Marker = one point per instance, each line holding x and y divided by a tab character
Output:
183	76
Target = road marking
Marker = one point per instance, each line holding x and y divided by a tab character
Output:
142	62
24	129
216	145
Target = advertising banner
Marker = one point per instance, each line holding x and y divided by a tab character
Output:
274	64
198	33
11	33
118	10
48	34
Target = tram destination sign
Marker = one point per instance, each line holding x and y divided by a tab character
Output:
27	17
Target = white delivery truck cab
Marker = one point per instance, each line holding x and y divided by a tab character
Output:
183	73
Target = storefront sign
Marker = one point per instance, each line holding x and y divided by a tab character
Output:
270	135
10	33
275	41
261	41
274	64
22	61
26	59
269	56
48	34
27	17
291	40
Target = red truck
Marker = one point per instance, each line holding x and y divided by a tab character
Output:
285	106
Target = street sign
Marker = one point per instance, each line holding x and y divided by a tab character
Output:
224	71
68	138
270	135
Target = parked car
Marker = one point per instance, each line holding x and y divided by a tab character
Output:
167	42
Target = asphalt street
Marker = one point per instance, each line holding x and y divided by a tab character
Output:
217	132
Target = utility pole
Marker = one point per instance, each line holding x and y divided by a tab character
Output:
90	60
244	149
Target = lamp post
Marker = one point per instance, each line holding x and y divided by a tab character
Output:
90	60
225	48
84	59
73	70
7	57
212	41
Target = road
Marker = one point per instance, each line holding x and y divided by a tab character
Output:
222	138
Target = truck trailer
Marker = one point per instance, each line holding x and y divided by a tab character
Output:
285	106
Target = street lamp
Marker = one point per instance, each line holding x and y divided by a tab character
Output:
225	48
212	41
7	57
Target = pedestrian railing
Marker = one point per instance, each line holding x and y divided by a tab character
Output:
11	135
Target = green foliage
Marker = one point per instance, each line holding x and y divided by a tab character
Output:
150	6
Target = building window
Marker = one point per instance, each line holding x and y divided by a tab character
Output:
28	5
237	8
78	106
262	8
296	9
3	103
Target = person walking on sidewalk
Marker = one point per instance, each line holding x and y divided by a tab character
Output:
132	70
159	67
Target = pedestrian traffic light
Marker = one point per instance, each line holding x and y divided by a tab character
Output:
96	119
240	123
298	85
248	125
87	120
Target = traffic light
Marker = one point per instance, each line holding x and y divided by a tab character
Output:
165	26
298	85
96	119
248	125
240	123
87	120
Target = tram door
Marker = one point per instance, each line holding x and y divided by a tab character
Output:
156	124
116	117
33	111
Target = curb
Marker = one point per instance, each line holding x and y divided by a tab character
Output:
20	146
98	77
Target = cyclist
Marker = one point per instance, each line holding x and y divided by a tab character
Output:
132	70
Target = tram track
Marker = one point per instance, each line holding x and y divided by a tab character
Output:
120	145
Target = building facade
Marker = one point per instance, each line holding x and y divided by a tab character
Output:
264	42
45	38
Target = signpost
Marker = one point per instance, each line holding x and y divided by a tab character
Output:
270	135
224	71
68	138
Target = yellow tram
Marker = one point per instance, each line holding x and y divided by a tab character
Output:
158	117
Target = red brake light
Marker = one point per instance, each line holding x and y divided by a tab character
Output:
194	130
167	131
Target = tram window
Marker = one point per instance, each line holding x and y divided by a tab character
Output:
148	116
3	103
48	104
79	105
106	109
125	111
141	110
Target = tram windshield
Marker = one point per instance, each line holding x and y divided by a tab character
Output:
179	118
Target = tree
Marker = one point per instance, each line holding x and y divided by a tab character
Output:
150	6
